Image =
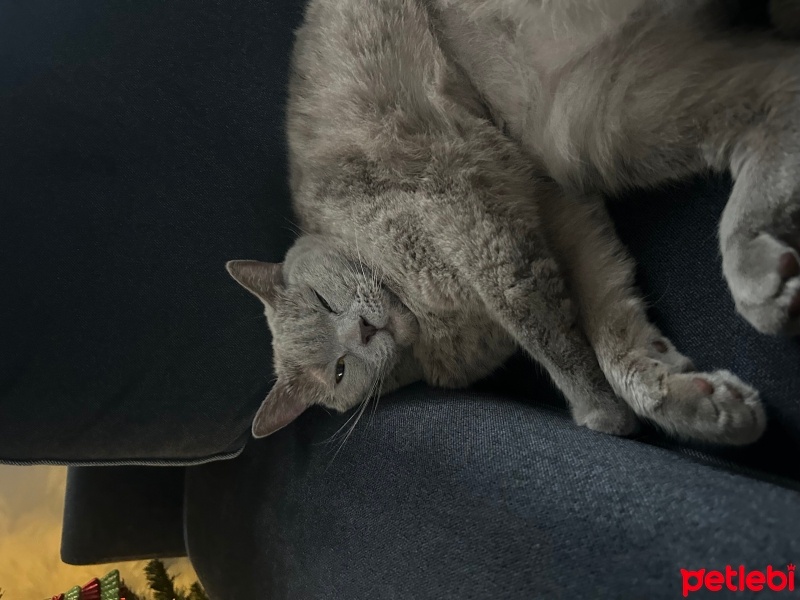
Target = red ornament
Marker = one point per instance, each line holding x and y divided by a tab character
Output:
91	591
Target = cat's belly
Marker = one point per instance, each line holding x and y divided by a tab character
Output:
516	53
457	349
513	49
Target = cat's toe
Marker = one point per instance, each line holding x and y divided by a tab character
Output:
764	278
713	407
614	419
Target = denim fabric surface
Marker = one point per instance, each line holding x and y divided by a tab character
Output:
141	146
453	494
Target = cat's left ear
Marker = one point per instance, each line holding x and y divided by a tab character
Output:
285	402
264	280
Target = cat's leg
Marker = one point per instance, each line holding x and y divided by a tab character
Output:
760	226
522	287
760	236
642	365
672	98
531	303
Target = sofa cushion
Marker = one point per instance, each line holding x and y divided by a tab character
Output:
141	147
452	494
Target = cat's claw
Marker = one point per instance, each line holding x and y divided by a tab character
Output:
764	277
713	407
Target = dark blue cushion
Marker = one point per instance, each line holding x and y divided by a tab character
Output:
141	146
452	494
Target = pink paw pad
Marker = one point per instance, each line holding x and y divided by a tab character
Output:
704	386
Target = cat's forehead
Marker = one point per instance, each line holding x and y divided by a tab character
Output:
318	259
310	251
313	274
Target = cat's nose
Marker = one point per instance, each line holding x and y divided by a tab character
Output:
367	330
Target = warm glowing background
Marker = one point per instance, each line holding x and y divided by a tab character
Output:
31	508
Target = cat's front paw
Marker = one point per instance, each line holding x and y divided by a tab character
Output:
712	407
764	277
614	418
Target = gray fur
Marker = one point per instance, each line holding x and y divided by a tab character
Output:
446	159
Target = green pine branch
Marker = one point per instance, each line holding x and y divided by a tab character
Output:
162	584
196	592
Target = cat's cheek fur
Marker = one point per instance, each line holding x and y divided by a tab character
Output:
404	327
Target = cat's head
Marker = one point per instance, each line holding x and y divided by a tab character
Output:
336	330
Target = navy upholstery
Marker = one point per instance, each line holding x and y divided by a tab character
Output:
463	495
141	147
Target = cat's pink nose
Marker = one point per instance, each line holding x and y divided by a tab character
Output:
367	330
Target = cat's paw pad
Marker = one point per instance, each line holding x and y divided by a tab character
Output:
713	407
764	277
662	350
614	419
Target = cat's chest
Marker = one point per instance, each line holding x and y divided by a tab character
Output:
458	341
456	348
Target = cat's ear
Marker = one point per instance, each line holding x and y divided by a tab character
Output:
264	280
285	402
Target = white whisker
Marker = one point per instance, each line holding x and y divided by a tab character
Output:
352	428
333	437
381	379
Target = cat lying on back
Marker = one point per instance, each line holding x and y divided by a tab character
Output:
446	160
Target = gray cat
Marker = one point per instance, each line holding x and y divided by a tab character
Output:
447	158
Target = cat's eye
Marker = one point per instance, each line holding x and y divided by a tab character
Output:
339	369
322	301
